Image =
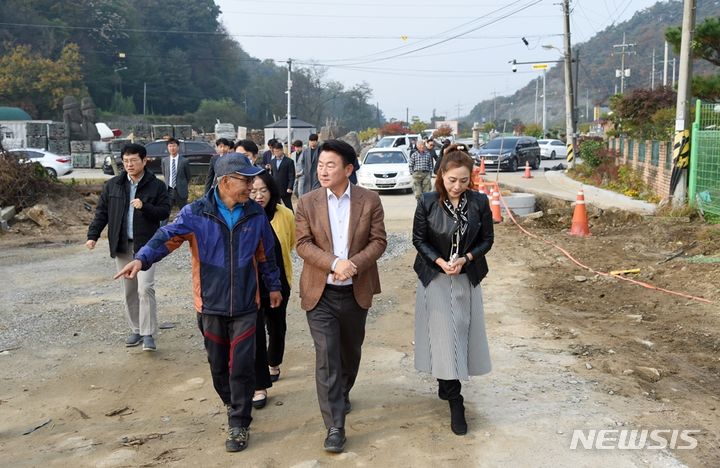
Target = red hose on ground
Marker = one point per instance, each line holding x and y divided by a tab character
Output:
601	273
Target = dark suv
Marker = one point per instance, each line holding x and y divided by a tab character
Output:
510	152
198	153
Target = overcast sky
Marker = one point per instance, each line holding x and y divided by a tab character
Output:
378	41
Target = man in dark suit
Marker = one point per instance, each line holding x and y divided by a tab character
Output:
310	160
282	169
340	234
223	146
176	172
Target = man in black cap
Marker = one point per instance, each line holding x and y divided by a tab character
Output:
232	247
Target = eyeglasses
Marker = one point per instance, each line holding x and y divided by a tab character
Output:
262	191
130	162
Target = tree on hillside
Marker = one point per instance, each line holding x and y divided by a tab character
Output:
37	84
706	46
394	128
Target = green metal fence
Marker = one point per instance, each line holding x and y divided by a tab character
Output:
704	183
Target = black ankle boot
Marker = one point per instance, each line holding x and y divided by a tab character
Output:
458	424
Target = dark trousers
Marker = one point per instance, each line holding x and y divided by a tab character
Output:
262	373
287	200
449	389
175	199
276	321
230	346
337	326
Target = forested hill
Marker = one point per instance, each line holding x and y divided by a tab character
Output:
178	49
597	80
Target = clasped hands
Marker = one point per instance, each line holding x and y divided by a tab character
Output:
344	270
451	268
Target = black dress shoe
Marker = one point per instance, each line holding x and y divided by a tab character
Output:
335	440
237	439
458	424
348	407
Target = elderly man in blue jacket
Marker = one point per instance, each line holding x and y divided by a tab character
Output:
231	240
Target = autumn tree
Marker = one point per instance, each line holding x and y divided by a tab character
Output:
442	131
38	84
706	46
394	128
643	113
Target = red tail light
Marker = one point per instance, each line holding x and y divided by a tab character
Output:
63	160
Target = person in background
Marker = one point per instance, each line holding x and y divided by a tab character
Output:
176	172
232	248
282	169
452	232
421	166
268	154
297	155
223	146
310	160
282	220
132	205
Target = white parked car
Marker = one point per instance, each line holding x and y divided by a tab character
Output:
551	149
385	169
406	142
55	165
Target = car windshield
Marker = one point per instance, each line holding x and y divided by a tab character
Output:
387	157
505	142
385	142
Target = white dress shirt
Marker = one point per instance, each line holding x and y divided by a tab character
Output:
339	216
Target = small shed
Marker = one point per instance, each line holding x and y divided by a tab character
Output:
300	130
14	129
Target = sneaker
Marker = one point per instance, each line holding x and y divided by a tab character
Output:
335	440
133	339
237	439
148	343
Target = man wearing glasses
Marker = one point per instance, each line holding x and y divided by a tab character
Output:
132	205
232	248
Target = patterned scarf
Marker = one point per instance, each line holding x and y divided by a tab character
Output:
460	215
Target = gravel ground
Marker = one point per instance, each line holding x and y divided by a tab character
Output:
46	309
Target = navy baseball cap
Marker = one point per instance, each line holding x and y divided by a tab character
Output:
236	163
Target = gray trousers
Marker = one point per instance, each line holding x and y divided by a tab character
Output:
337	326
421	182
139	296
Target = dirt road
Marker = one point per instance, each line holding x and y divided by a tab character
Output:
565	357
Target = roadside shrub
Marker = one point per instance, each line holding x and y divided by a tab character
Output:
22	185
592	152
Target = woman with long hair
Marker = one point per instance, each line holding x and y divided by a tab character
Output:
452	232
268	359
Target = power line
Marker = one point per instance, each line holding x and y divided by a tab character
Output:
373	17
367	56
226	34
456	36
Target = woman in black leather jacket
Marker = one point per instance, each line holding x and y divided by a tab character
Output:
452	232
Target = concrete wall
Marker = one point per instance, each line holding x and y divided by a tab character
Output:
651	159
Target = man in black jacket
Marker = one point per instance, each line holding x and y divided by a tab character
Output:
282	169
132	205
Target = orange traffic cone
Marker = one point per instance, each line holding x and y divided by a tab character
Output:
482	166
476	179
495	208
527	174
580	226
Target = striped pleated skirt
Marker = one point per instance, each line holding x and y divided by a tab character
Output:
450	338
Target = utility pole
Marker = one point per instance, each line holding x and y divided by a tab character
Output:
407	116
289	114
569	101
494	93
623	73
681	143
587	105
537	91
674	74
544	110
665	65
652	77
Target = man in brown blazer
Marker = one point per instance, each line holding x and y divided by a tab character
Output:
340	235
